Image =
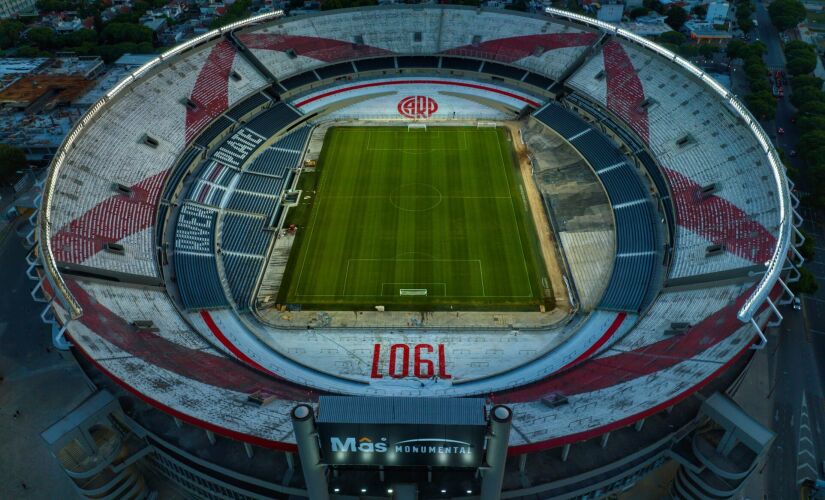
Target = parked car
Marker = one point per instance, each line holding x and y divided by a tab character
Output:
797	303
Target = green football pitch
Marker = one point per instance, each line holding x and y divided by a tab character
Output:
417	219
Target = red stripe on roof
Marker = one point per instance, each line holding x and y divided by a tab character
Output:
322	49
110	220
518	47
211	90
204	367
210	323
611	330
607	371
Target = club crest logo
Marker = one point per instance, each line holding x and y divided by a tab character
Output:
417	106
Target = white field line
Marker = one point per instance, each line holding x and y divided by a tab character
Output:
346	276
515	219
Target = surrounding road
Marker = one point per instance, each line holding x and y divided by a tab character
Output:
797	380
38	386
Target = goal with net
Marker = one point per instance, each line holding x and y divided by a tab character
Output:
417	126
487	124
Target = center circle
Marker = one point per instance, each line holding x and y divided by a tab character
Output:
416	197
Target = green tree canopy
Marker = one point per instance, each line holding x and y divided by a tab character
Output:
638	12
676	17
12	159
786	14
116	32
801	57
673	37
761	104
707	50
10	33
42	38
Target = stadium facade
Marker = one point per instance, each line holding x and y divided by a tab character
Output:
156	247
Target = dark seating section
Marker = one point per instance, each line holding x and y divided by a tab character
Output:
160	228
194	258
504	70
629	282
241	273
253	201
601	152
623	184
334	70
538	80
562	121
244	201
249	104
260	184
275	162
244	234
417	61
460	63
661	186
189	157
635	216
213	131
636	146
375	64
295	140
299	80
273	119
633	227
244	241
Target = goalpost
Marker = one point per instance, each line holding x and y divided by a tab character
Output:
418	126
487	124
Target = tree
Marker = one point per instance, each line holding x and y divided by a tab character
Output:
736	49
79	37
811	144
43	38
111	53
29	51
801	57
638	12
707	50
699	11
115	33
10	33
687	50
810	122
673	37
801	81
240	10
803	96
12	159
807	248
786	14
761	104
806	284
655	5
676	17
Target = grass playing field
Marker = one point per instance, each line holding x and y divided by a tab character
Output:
415	219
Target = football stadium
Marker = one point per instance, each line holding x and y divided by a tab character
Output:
416	252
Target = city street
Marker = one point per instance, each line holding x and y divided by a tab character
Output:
38	385
797	346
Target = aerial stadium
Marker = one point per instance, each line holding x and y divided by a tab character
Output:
275	245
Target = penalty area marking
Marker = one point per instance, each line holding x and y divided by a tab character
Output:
394	289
